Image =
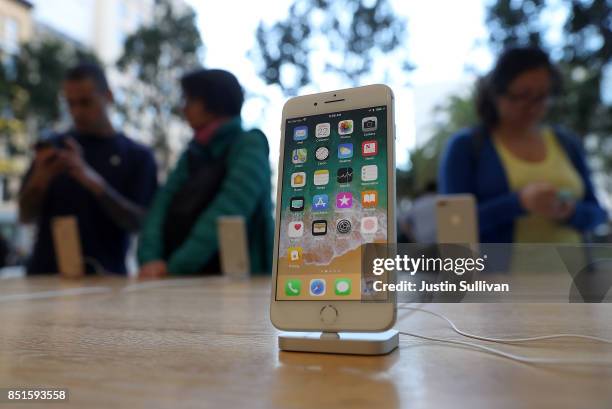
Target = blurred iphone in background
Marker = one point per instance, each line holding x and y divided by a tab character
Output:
456	219
233	246
67	244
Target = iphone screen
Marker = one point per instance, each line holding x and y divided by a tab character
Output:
334	199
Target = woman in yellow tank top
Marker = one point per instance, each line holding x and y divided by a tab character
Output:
531	182
554	173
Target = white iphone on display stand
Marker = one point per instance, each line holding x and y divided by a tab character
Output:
335	192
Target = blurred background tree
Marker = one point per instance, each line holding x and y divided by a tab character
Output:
350	39
158	54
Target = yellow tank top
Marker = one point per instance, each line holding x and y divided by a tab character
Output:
556	169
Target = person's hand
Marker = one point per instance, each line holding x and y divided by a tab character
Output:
46	166
72	155
540	198
564	210
153	269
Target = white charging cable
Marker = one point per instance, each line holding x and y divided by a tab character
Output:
504	340
504	354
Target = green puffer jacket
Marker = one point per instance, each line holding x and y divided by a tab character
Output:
245	191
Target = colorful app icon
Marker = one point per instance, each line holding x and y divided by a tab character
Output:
294	254
369	198
300	133
319	227
369	148
345	151
321	177
296	204
298	179
322	130
369	173
345	175
299	156
345	127
344	200
293	287
322	153
343	226
295	229
342	286
320	202
317	287
369	124
369	225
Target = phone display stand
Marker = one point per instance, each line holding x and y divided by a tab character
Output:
355	343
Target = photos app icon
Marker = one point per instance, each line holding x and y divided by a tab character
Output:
345	127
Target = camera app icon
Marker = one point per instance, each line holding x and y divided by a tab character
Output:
369	124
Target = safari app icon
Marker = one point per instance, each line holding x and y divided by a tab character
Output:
317	287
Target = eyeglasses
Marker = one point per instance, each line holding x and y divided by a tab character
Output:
529	98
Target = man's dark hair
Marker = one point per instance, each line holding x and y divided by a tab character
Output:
510	64
219	90
88	70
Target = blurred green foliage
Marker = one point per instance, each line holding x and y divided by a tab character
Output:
359	35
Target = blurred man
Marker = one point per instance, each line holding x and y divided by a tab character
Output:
94	173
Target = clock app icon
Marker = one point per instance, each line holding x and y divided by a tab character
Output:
322	153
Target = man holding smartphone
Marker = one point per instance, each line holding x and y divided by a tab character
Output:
94	173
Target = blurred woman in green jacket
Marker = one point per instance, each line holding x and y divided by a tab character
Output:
223	172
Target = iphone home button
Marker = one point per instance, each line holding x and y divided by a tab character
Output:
329	314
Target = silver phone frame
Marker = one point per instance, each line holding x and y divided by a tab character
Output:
353	315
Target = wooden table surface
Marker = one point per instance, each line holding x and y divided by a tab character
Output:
209	343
